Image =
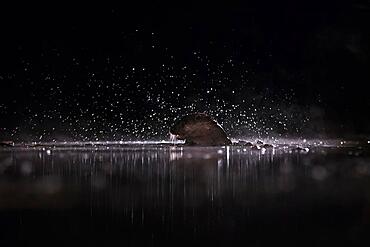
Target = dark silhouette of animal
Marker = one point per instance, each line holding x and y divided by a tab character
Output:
199	129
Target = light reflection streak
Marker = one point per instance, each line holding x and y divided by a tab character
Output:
161	182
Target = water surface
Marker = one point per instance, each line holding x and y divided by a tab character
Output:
152	194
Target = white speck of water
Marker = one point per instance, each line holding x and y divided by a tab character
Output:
227	156
48	152
172	138
219	162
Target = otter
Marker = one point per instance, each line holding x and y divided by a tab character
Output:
199	129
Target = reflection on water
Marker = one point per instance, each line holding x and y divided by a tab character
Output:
155	194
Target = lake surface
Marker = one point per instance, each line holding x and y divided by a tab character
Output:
130	194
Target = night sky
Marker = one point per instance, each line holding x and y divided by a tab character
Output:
126	72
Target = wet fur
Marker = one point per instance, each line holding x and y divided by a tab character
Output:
199	129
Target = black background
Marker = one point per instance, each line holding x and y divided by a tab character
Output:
124	72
